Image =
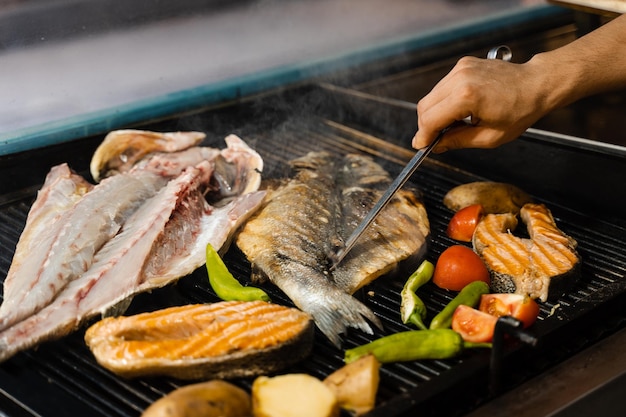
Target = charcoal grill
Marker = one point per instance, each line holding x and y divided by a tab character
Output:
368	113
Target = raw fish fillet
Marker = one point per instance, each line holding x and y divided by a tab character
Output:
135	231
66	249
60	191
122	149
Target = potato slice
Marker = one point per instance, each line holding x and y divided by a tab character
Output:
495	197
355	385
206	399
292	395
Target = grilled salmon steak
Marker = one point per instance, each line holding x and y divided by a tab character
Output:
545	264
221	340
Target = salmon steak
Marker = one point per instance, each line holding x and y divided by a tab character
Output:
305	218
544	265
227	339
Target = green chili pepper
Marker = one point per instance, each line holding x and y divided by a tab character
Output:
225	285
412	308
413	345
469	295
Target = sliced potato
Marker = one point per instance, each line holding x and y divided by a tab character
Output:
292	395
206	399
355	385
495	197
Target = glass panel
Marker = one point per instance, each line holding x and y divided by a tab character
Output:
74	63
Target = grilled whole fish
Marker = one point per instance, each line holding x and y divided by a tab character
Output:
134	231
304	219
544	265
221	340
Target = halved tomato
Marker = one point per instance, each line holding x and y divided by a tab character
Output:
473	325
457	266
522	307
463	223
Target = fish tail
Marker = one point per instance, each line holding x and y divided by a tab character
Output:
345	311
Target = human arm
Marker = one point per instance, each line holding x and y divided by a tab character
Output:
504	99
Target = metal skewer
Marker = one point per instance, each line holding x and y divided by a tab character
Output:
406	173
400	180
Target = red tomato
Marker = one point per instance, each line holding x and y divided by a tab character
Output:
522	307
464	221
457	266
473	325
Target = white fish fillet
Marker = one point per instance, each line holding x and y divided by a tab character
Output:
61	190
121	149
83	230
175	221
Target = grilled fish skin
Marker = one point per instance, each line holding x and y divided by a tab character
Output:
130	258
305	218
400	233
221	340
545	265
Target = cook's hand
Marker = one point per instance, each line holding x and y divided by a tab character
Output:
502	99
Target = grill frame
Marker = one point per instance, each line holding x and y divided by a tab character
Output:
340	121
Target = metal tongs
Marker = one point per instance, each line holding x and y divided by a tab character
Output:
406	173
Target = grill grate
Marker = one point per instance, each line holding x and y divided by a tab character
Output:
70	382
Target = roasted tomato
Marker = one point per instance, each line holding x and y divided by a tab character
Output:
473	325
522	307
464	221
457	266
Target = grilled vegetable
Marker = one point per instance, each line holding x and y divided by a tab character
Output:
412	308
292	395
413	345
519	306
206	399
473	325
463	223
355	385
225	285
470	296
457	266
478	325
494	197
